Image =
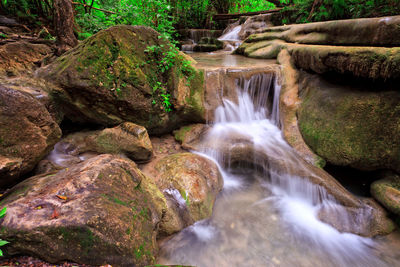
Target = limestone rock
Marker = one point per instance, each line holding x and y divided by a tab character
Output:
27	134
356	32
101	211
347	126
117	75
289	103
367	62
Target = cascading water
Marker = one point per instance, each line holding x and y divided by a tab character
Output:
265	215
231	38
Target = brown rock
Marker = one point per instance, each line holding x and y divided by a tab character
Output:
125	81
190	183
27	134
104	208
127	138
19	57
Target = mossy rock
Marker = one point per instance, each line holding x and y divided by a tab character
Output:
102	211
116	75
348	126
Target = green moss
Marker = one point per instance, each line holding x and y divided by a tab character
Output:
78	235
181	133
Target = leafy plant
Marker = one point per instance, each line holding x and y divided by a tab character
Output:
3	242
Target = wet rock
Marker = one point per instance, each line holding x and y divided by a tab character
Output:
348	126
127	138
27	134
21	57
190	183
387	192
118	84
104	208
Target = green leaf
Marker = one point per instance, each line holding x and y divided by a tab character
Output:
3	242
3	212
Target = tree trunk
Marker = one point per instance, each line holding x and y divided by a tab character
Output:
64	25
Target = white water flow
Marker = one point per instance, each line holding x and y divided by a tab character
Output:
267	217
231	38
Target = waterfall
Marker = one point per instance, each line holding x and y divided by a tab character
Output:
277	191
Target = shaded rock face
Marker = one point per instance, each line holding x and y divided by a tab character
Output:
350	127
107	80
190	184
387	191
27	133
104	208
128	138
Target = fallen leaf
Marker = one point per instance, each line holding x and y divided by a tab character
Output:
62	197
55	214
38	208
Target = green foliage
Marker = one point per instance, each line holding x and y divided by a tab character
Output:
165	57
3	35
243	6
3	242
338	9
152	13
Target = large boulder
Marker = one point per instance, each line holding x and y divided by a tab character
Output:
348	126
190	184
127	73
101	211
27	133
127	138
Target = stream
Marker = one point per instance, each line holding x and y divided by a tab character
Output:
265	215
